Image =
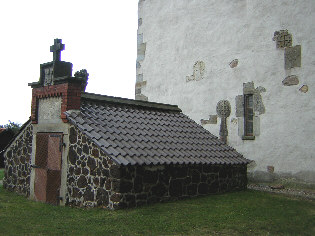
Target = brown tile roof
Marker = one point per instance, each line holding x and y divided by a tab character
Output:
137	132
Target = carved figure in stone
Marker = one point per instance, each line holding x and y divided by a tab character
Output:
223	111
198	73
283	39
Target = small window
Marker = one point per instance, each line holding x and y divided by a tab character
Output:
248	117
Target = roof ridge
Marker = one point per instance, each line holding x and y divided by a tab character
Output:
130	102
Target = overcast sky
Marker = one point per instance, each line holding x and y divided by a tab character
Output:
99	36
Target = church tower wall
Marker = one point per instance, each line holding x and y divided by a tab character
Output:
256	56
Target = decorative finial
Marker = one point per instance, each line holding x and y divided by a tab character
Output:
57	48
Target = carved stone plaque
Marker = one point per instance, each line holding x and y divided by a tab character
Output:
283	38
292	57
48	79
223	108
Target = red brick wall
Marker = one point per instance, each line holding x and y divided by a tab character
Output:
70	94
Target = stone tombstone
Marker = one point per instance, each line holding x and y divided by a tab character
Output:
292	57
223	111
283	39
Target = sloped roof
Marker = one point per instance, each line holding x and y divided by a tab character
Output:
136	132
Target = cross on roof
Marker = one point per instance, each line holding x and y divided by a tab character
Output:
57	48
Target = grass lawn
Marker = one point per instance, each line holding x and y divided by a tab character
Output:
1	174
241	213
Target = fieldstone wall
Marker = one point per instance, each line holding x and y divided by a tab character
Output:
140	185
17	161
89	174
93	179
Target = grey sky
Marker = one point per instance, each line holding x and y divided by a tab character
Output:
99	36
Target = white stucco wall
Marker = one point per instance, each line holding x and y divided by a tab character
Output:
178	33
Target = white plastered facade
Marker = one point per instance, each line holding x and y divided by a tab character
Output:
174	35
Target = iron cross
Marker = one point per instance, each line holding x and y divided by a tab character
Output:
57	48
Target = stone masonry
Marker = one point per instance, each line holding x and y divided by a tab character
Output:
141	185
17	160
89	174
95	180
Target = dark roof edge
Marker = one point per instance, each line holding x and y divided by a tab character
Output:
132	102
28	122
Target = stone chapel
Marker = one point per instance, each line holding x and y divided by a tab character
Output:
89	150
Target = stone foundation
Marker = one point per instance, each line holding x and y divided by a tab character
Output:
141	185
17	160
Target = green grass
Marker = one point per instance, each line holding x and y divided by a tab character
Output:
1	174
241	213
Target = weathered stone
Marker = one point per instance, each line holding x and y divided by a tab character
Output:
88	194
142	196
72	156
114	171
159	190
233	63
283	39
125	186
105	172
212	188
115	197
304	89
95	153
195	176
101	197
82	182
150	177
108	184
73	136
130	199
77	171
85	171
292	57
86	149
290	80
138	184
203	188
91	163
71	170
176	188
115	185
192	190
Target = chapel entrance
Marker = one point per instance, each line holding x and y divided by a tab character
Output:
48	167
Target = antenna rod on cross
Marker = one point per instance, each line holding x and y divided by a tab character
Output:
57	48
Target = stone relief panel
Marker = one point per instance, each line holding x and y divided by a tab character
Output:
49	110
198	72
283	39
292	57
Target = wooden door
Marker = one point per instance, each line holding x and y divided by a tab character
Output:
48	167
